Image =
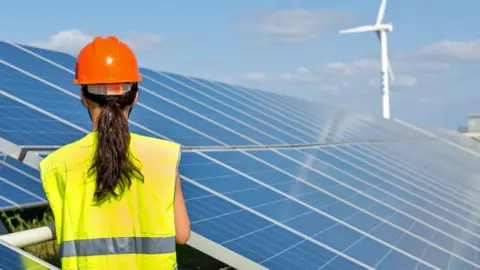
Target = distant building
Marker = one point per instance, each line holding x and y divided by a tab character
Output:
473	128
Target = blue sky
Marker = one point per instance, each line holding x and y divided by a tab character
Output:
290	47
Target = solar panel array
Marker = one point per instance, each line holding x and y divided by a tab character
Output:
270	181
12	258
19	184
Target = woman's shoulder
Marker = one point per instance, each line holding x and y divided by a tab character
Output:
69	150
157	148
138	139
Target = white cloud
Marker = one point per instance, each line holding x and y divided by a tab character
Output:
405	80
306	79
299	26
402	70
72	41
69	41
334	88
350	69
463	50
418	65
372	66
303	70
358	77
255	77
301	75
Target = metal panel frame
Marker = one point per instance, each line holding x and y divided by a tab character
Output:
28	255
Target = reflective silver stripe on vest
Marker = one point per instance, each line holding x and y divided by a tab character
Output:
118	245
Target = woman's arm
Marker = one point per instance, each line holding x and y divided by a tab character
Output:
182	222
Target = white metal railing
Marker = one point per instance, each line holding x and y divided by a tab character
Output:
30	237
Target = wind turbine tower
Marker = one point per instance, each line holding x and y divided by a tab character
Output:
381	29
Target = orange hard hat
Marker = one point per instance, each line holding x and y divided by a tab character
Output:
106	60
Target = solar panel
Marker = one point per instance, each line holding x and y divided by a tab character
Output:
12	258
338	190
247	231
166	99
24	124
20	185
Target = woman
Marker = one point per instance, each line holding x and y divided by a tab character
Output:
116	196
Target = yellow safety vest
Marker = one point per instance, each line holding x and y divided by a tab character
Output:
137	231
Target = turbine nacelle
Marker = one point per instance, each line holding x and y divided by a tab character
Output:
387	27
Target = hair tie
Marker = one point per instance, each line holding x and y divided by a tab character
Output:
112	101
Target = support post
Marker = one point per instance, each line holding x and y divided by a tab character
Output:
385	82
30	237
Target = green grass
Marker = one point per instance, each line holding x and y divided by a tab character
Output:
16	222
188	257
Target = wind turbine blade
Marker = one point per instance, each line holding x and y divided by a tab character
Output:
381	11
360	29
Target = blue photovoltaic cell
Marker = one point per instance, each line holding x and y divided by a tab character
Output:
258	115
176	93
278	116
69	108
429	241
23	125
154	121
69	62
328	127
318	117
43	96
148	113
246	233
63	59
315	121
409	187
12	258
19	185
407	201
415	181
213	100
280	208
321	129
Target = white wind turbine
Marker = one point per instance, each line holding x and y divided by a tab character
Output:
381	30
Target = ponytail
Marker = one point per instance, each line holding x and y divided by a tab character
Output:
112	162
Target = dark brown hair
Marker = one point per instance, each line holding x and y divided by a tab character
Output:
112	162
